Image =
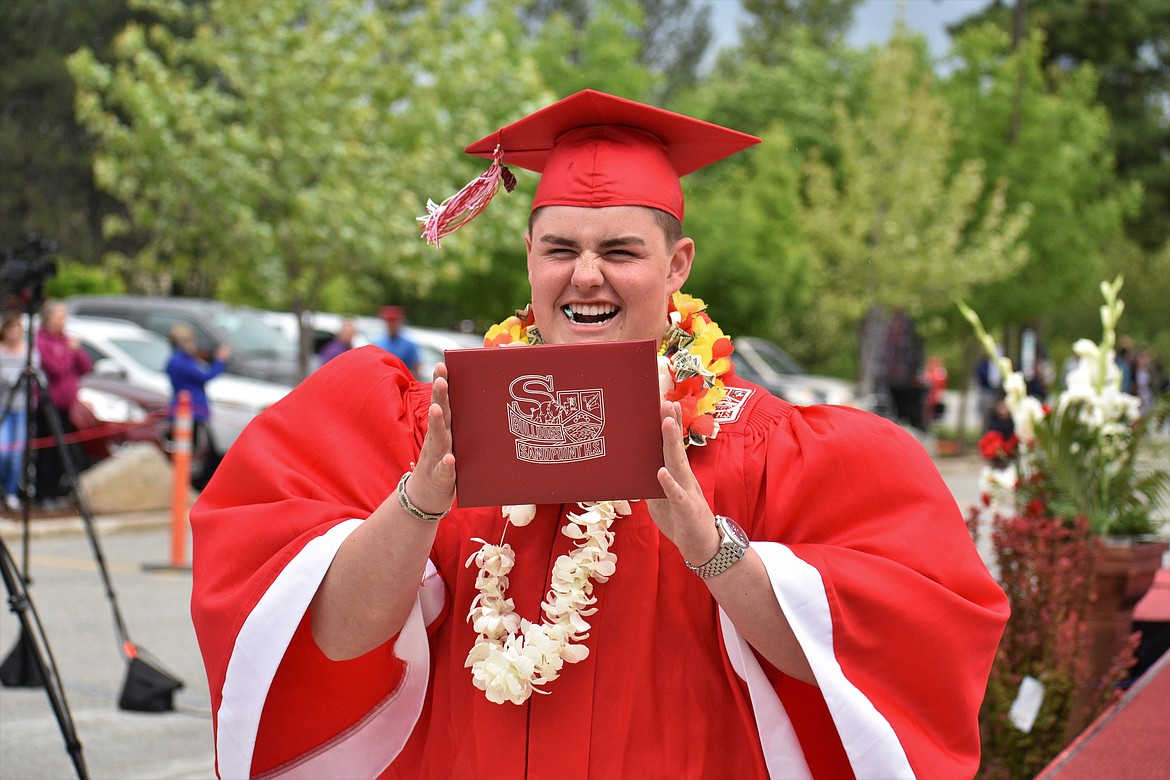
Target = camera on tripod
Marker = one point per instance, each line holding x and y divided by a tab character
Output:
26	268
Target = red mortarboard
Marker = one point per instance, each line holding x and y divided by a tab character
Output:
593	150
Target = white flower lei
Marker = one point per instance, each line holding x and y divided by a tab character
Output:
512	657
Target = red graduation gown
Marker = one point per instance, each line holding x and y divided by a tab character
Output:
865	546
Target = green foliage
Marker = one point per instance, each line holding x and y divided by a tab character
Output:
44	154
599	51
1050	140
1108	482
750	265
753	265
280	144
674	40
74	278
1128	44
646	50
892	225
771	22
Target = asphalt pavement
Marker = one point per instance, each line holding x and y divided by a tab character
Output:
153	597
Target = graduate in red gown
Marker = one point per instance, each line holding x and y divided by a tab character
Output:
805	600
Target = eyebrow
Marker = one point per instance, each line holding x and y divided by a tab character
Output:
550	238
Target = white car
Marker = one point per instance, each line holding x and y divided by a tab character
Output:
431	342
760	361
123	351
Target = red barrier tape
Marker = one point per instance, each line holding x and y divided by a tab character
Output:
100	432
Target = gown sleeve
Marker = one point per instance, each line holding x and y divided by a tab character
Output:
300	478
870	559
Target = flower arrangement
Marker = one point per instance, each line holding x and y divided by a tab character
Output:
1080	456
1068	475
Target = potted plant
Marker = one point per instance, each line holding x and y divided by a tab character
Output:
1073	506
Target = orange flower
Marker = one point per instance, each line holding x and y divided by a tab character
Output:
686	306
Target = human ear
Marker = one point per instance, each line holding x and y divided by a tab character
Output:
682	256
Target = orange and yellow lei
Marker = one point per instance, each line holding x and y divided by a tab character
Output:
695	349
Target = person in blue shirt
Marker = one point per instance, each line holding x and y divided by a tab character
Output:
188	372
395	341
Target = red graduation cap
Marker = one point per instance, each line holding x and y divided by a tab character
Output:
593	150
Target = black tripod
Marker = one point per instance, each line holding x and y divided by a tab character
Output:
147	687
31	667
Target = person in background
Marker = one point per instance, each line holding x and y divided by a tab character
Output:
989	379
396	342
341	342
1124	358
188	372
64	363
13	429
1144	380
902	363
936	383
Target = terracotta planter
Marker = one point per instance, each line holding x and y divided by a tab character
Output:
1124	572
947	447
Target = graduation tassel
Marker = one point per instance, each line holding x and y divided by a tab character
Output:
456	211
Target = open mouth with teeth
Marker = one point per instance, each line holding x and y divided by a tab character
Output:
590	314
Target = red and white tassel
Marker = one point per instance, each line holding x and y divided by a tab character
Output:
456	211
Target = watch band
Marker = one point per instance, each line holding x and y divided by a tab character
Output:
414	511
732	548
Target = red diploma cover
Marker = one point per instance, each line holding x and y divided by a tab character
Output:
554	424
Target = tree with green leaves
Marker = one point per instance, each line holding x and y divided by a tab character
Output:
593	45
1048	136
44	154
751	263
273	148
893	224
641	49
1128	44
770	23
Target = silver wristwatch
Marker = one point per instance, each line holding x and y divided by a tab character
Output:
732	547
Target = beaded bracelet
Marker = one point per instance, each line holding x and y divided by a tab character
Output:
413	510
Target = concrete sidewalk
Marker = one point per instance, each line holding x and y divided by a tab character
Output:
77	618
69	597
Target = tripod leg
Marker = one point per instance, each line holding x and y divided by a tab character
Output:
20	669
45	670
147	688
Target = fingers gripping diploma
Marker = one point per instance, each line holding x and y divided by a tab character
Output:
432	485
683	516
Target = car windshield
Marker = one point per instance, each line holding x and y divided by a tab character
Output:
251	335
148	353
777	359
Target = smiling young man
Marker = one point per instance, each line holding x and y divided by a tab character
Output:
804	601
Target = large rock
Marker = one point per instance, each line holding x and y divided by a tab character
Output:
135	479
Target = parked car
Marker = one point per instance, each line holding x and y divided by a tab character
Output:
109	417
131	360
258	350
765	363
431	342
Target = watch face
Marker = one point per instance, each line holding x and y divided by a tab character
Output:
732	529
